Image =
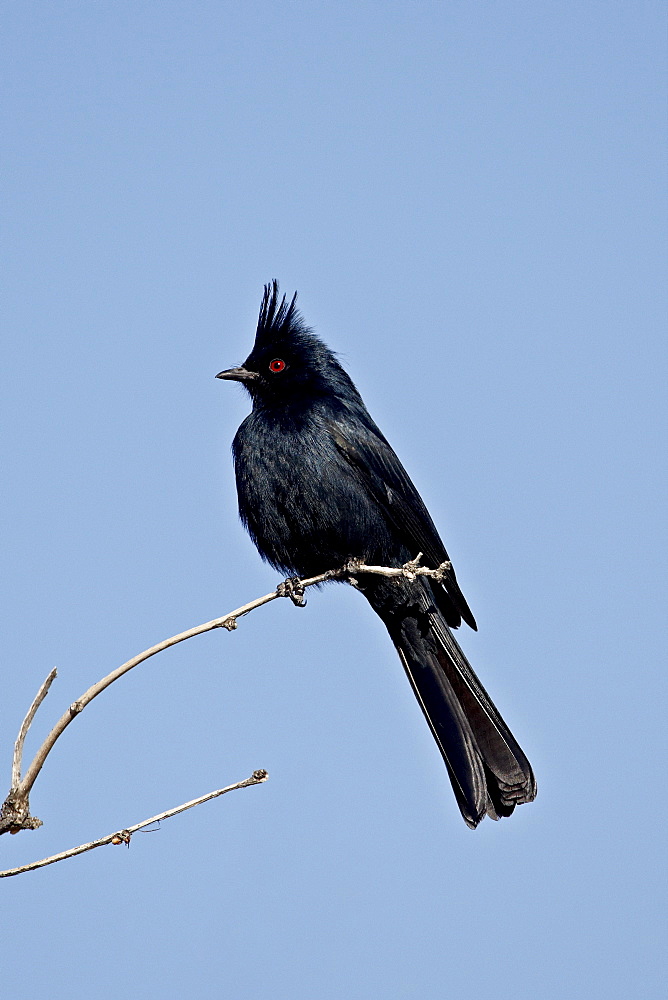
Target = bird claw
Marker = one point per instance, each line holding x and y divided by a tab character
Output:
292	588
413	565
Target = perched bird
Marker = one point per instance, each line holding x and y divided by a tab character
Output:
319	486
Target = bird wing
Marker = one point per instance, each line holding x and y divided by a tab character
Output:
376	465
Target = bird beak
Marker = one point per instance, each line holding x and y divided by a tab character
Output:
238	375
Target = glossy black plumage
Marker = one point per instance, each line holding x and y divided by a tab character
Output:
319	485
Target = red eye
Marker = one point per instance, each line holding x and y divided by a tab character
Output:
277	365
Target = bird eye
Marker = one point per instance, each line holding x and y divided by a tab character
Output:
277	365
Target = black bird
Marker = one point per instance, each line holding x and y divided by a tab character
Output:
319	486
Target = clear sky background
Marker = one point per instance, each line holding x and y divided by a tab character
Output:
469	199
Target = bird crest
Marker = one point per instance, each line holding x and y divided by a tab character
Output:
278	319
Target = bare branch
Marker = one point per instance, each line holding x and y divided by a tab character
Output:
25	726
408	571
15	811
123	836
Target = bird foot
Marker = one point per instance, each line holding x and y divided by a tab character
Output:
292	588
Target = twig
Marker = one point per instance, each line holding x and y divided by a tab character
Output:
15	811
25	726
123	836
408	571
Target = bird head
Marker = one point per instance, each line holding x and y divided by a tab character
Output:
288	361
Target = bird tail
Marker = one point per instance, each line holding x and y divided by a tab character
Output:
489	772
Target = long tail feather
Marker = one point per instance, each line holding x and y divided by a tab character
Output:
488	770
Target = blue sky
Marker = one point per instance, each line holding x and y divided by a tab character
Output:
470	200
